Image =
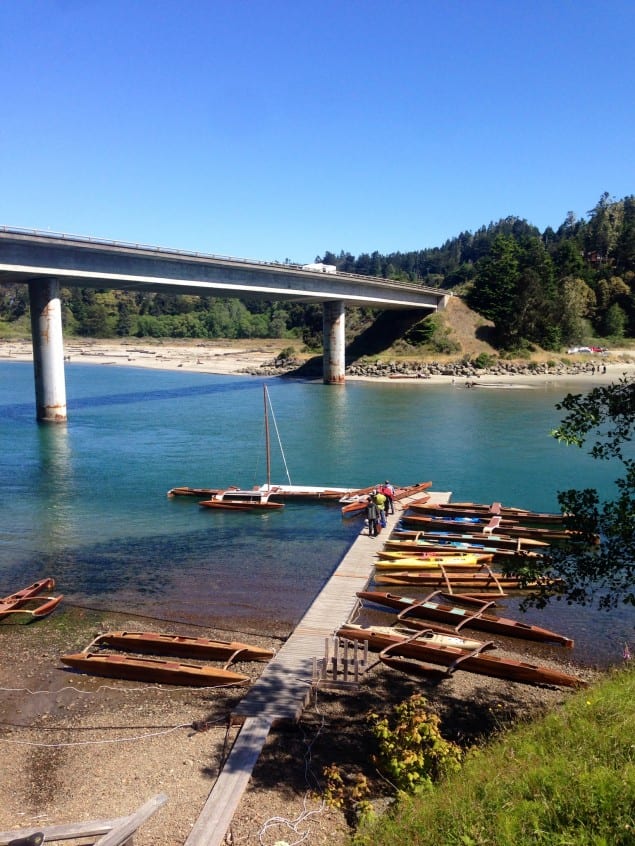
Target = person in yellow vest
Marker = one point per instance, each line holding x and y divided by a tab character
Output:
380	499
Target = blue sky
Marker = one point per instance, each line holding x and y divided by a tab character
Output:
278	130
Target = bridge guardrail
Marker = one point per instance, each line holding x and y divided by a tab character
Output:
89	239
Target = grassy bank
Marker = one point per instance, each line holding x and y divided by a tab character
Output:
566	779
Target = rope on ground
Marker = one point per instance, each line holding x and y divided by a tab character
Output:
312	783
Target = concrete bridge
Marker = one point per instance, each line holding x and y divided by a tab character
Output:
47	262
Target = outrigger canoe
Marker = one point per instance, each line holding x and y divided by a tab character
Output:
483	527
395	647
445	611
29	602
495	509
161	671
499	539
470	583
456	546
153	643
427	635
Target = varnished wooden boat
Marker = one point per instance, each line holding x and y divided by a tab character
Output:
498	539
452	582
154	643
519	515
448	562
158	670
397	646
420	543
29	602
427	635
477	525
233	499
441	608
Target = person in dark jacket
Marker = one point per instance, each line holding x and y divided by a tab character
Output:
373	516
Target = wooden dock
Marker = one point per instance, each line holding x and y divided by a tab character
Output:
284	688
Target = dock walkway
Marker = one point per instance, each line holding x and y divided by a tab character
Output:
283	690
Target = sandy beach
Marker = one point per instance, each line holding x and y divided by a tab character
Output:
236	357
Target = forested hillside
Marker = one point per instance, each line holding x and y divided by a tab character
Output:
551	289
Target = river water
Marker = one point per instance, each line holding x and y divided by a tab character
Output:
86	502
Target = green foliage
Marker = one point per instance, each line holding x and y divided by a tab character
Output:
483	361
346	793
603	574
566	779
412	753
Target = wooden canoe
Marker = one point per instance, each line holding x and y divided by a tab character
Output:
438	607
32	590
449	562
495	509
153	643
483	526
401	646
440	544
499	539
31	608
156	670
442	580
427	635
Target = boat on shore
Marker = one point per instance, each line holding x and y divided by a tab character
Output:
29	601
155	643
438	607
395	647
427	635
157	670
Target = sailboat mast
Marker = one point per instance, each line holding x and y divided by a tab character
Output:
264	391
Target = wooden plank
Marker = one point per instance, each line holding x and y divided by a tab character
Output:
92	828
124	830
211	826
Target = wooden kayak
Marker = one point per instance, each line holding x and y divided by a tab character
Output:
396	645
499	539
442	580
156	670
446	611
427	635
449	562
153	643
495	509
476	525
32	590
29	602
440	545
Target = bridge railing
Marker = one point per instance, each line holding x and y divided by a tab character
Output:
128	245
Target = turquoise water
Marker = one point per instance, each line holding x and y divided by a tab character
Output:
86	502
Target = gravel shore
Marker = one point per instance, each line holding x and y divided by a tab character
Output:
79	748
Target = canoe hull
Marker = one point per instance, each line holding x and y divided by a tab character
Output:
446	612
448	656
153	643
153	670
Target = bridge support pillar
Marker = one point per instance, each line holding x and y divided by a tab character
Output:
334	343
48	350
